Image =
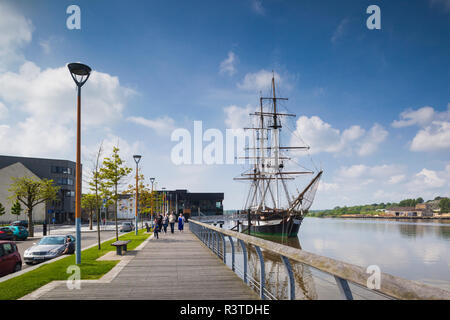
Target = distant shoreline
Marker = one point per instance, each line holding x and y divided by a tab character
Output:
384	217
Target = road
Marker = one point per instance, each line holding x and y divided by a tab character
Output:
87	238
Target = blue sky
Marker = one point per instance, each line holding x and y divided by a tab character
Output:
374	104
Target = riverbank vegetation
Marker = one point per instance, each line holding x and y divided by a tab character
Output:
374	209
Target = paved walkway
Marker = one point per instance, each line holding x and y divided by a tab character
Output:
173	267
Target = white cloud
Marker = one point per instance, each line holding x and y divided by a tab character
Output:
340	30
434	134
421	117
432	138
3	111
162	126
257	7
322	137
325	186
361	171
260	80
429	179
16	31
445	4
50	94
374	137
228	65
237	117
396	179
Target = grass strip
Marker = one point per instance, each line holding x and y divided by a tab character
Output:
91	269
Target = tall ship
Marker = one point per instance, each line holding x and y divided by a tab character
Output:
274	204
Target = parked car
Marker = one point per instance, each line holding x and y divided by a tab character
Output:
10	260
19	233
47	248
22	223
6	233
126	227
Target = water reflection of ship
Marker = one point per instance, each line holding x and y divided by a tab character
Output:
276	276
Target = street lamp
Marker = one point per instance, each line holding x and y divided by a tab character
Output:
80	74
137	158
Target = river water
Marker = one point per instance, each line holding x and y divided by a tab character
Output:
414	249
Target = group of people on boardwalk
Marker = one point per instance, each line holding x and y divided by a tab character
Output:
161	222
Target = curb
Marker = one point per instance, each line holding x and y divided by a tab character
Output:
106	278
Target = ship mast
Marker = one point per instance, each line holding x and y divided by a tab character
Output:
268	167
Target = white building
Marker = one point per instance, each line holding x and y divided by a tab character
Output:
17	170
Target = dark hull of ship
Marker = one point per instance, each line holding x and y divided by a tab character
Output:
281	228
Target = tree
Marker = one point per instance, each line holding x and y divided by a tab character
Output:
2	210
89	203
96	185
144	197
16	208
30	193
444	205
112	173
419	200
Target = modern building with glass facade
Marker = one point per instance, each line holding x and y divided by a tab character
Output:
191	203
62	172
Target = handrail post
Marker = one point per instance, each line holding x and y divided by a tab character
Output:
344	288
218	244
224	250
291	286
262	281
244	253
232	252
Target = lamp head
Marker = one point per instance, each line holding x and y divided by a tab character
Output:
152	180
137	158
80	70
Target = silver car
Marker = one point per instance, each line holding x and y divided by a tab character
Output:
126	227
47	248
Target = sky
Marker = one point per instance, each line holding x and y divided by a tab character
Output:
373	105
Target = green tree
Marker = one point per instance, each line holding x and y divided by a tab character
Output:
30	193
90	204
444	205
16	208
112	173
419	200
2	210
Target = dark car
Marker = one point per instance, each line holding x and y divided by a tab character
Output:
6	233
10	260
22	223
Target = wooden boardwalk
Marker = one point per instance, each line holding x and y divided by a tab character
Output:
174	267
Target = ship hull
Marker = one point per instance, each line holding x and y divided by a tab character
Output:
281	228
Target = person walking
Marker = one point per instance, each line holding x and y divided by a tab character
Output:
181	221
165	222
172	219
156	228
159	222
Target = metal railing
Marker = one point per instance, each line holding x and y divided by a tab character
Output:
392	287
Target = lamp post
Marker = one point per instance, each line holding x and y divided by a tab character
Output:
80	74
137	158
163	201
152	180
